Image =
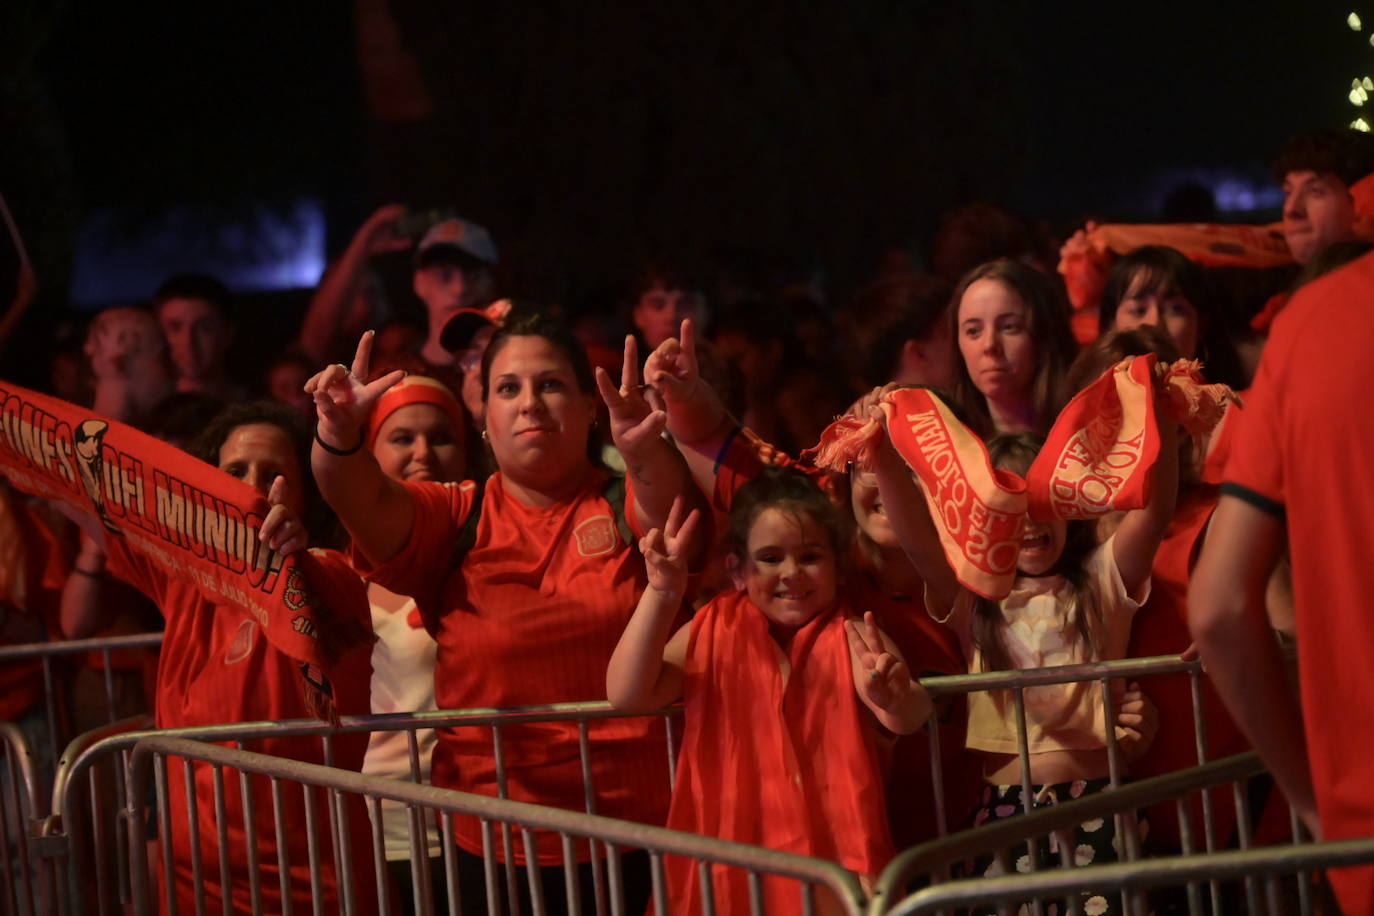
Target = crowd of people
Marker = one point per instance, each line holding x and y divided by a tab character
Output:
543	504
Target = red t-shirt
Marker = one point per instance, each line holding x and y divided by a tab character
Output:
217	666
1301	453
33	587
532	617
1161	628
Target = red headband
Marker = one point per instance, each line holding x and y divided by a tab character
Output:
416	389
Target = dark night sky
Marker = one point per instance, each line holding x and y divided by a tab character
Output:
830	130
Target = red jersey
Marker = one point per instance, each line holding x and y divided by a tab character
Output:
33	568
787	763
217	666
1161	628
531	616
1300	453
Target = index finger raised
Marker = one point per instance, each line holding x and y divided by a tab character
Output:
362	360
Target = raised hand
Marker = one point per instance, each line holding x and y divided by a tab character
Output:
634	424
379	235
664	551
343	399
864	407
281	530
672	368
882	679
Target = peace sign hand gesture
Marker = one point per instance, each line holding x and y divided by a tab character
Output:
634	424
883	680
665	551
343	402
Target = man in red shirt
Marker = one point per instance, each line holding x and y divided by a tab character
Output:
1296	477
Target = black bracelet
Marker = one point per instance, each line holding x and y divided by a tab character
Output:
341	452
86	572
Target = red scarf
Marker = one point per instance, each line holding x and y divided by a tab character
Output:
792	766
189	517
1097	459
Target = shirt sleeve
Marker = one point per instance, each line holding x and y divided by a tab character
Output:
1254	469
1106	575
743	455
137	569
420	568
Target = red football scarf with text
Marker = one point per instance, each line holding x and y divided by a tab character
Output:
192	519
1096	459
792	765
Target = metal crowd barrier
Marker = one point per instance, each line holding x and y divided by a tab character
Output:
30	753
20	804
1269	862
65	837
48	652
1259	868
149	760
80	847
930	861
1016	682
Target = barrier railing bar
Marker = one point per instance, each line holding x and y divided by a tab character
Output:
74	646
312	848
283	852
616	832
1010	831
222	826
572	882
1171	871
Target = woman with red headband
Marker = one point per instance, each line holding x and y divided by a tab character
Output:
417	431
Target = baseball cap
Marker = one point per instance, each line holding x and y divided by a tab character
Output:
459	330
456	236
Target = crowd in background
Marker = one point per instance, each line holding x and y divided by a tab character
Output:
666	411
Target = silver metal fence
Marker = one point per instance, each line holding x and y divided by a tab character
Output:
80	846
30	754
49	652
149	761
21	883
1016	683
932	861
74	842
1259	869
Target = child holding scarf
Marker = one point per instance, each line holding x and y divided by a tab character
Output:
1071	601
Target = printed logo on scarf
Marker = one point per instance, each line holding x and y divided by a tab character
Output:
596	536
242	646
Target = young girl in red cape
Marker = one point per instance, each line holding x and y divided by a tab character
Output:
787	693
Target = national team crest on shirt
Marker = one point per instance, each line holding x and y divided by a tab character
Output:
242	646
596	536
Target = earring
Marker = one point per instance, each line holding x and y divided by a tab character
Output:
484	435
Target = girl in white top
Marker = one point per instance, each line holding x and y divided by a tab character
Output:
1072	602
417	432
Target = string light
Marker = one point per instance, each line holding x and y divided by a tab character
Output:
1360	124
1353	20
